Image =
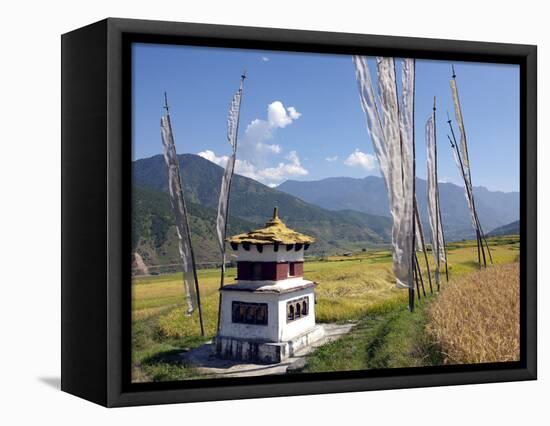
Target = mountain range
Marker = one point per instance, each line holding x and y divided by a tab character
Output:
251	205
341	213
369	195
509	229
154	235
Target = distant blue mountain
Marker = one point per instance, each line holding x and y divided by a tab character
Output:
509	229
251	204
369	195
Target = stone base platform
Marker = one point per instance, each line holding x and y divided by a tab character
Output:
262	352
204	360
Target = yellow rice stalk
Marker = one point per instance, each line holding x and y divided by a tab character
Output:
476	317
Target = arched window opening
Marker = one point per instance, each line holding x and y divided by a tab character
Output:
297	308
290	313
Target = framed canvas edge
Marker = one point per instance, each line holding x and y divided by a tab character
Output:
117	89
83	213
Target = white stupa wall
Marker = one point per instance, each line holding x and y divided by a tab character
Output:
291	329
277	328
267	332
268	254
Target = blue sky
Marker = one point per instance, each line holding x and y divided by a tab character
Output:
301	117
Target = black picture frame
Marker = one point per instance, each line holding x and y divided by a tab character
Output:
96	173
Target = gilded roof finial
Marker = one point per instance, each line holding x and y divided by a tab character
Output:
275	231
274	221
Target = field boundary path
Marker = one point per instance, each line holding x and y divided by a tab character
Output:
204	361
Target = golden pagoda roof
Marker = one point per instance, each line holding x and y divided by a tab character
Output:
275	231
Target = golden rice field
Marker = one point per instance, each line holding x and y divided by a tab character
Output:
476	317
349	288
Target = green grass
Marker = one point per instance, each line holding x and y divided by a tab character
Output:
157	358
360	288
385	338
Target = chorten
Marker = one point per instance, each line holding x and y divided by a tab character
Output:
268	314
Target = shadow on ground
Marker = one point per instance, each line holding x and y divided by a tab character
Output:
53	382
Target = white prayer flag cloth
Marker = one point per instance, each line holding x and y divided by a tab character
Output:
180	212
434	208
232	129
391	132
419	231
467	189
460	120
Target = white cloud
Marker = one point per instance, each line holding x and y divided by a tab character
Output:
293	113
244	168
293	157
256	135
275	149
265	59
255	146
279	117
211	156
257	157
332	159
446	179
257	131
361	159
283	170
271	176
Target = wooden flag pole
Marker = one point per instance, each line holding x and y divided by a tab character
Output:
470	195
439	222
222	272
454	146
414	258
412	270
461	165
467	159
478	238
222	277
481	234
486	245
415	274
483	239
411	290
478	247
199	305
422	241
444	250
417	264
197	288
416	277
